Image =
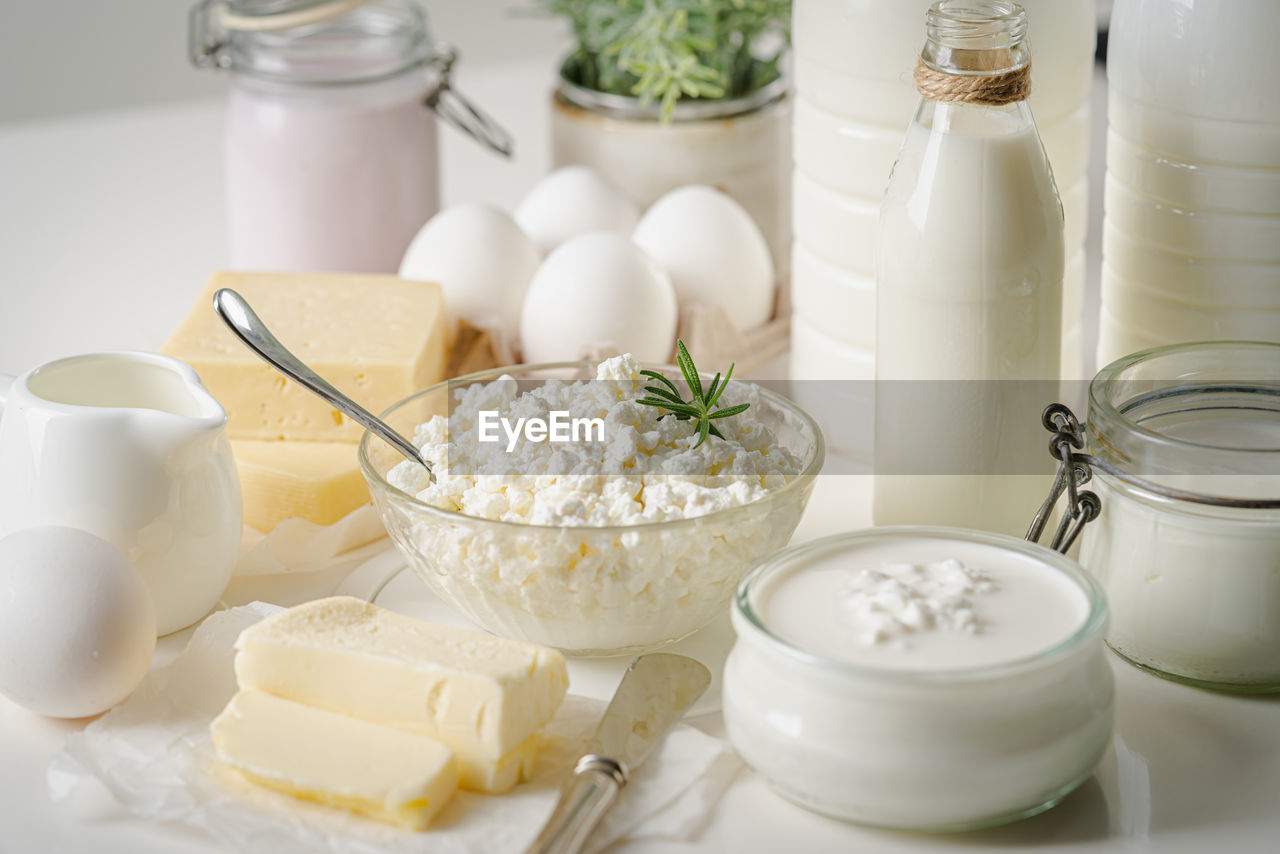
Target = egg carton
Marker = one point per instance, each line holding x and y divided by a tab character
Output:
715	342
477	348
706	330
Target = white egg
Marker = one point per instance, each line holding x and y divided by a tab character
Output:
77	623
574	200
595	290
482	260
713	250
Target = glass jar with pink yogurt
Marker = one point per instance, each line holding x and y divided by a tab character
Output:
331	150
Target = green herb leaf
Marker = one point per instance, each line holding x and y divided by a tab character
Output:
715	395
704	427
687	368
661	378
678	408
702	407
732	410
711	389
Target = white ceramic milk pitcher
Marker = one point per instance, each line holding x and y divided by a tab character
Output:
128	446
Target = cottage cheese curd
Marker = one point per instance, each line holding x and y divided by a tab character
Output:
585	567
899	602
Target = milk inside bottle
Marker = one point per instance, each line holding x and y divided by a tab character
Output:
969	285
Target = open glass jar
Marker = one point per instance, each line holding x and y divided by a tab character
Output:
1186	448
331	135
945	733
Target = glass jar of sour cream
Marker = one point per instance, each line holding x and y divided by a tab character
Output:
1187	545
920	678
331	152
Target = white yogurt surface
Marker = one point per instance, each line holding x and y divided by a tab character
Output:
923	604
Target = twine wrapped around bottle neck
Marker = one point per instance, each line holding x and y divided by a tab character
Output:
990	90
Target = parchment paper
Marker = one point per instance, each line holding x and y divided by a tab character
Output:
155	755
296	545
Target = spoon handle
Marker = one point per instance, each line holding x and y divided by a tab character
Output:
250	329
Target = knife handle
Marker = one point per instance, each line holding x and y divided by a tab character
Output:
592	789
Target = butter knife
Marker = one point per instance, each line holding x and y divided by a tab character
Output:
654	694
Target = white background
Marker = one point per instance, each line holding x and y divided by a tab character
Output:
72	56
111	218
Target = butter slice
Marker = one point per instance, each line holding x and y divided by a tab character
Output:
386	774
377	338
483	696
316	481
495	776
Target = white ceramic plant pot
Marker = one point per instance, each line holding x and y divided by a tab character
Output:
741	146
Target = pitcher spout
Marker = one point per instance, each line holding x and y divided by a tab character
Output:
188	421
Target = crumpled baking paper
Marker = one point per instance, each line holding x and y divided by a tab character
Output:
296	545
154	754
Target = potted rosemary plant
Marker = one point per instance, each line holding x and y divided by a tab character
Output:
661	93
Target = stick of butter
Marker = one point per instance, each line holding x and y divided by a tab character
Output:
485	697
386	774
377	338
495	776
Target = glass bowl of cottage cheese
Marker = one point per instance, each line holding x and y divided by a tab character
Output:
565	512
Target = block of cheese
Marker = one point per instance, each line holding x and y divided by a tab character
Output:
483	696
376	338
316	481
384	773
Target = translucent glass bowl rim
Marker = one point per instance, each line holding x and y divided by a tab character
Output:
1090	631
379	483
1100	403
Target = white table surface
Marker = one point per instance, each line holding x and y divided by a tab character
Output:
109	225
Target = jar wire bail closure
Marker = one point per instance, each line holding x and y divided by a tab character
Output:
463	114
1075	468
1073	472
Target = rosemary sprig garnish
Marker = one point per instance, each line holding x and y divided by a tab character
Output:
702	407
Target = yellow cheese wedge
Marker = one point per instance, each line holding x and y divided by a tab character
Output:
377	338
386	774
483	696
316	481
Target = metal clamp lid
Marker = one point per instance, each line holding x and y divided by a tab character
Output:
1073	472
449	104
1075	468
205	46
210	20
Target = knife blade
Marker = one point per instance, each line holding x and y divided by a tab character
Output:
654	694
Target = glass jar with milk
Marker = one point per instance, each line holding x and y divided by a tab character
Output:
331	137
969	284
1187	547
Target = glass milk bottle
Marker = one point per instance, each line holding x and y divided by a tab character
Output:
853	98
969	285
331	150
1191	235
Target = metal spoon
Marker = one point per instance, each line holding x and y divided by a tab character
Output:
250	329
